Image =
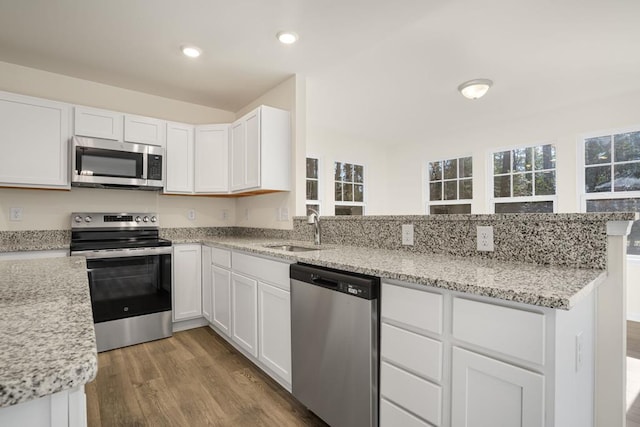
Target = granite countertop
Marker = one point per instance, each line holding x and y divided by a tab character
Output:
555	287
47	339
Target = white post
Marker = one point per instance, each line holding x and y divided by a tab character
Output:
611	331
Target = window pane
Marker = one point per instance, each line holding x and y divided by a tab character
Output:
502	186
435	171
545	183
338	171
312	189
597	150
358	173
358	193
312	168
627	146
597	179
347	192
338	192
450	190
522	160
348	210
524	207
501	162
314	207
466	189
450	169
450	209
621	205
522	184
435	191
348	172
466	167
545	156
627	177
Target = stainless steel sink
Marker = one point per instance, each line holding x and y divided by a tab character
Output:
292	248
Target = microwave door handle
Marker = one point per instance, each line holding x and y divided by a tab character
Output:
145	163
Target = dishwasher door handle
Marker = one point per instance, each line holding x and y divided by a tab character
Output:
318	280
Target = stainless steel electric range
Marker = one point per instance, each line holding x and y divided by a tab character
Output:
129	270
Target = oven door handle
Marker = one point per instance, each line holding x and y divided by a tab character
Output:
123	253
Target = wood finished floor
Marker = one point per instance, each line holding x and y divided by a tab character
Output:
194	378
633	373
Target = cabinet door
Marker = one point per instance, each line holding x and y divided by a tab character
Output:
221	281
212	159
275	329
238	156
96	123
34	136
252	150
144	130
187	287
245	312
179	159
207	283
486	392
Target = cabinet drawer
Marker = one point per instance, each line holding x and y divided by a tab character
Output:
221	257
394	416
420	354
411	392
507	330
412	307
274	272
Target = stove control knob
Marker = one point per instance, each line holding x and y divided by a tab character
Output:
145	219
138	219
88	219
77	218
154	219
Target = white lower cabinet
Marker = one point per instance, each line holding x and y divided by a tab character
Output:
244	308
221	316
392	415
487	392
275	329
207	284
187	282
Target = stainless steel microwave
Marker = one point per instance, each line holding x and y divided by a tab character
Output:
112	164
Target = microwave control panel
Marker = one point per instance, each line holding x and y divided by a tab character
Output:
154	167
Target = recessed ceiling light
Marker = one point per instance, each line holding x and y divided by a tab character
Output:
287	37
474	89
191	51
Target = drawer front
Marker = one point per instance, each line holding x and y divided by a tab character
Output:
394	416
274	272
411	392
421	355
412	307
221	257
510	331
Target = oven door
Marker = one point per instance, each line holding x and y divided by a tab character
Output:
129	283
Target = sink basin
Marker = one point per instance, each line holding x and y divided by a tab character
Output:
292	248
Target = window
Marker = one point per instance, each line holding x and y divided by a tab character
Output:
524	179
313	185
611	181
349	189
450	186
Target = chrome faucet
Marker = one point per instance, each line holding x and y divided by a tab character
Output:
314	219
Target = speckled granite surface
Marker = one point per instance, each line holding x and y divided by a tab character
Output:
47	339
34	240
558	287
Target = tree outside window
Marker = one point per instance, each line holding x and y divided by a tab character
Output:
313	184
450	186
349	188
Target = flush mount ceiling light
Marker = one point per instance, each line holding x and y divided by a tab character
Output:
191	51
474	89
287	37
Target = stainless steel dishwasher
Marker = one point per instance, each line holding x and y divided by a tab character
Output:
334	344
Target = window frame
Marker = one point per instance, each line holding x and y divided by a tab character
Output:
427	191
364	186
319	180
492	200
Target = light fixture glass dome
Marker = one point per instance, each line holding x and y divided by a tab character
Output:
474	89
191	51
287	37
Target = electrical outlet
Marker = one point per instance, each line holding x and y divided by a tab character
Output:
191	214
225	214
407	234
485	238
15	214
246	214
284	214
579	351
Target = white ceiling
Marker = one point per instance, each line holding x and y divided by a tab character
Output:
369	62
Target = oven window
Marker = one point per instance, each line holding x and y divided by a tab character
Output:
99	162
131	286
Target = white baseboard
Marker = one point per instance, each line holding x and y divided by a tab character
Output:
189	324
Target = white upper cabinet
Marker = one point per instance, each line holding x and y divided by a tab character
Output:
96	123
179	159
144	130
212	159
261	151
34	138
